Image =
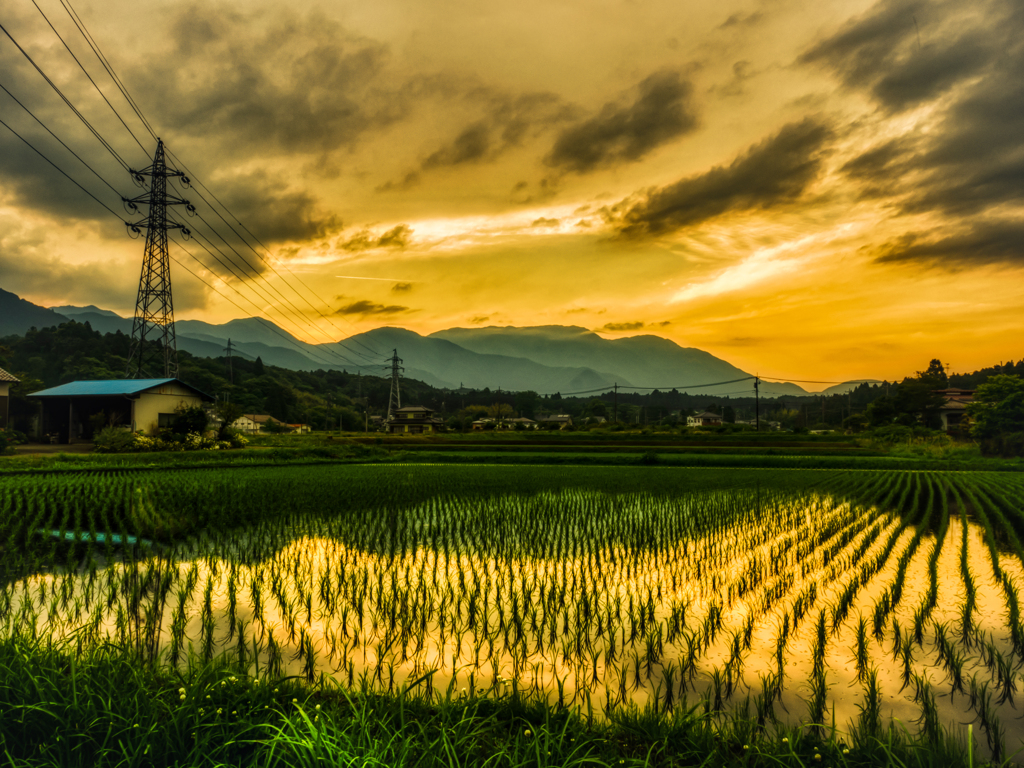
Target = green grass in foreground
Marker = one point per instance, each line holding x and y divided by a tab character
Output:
60	706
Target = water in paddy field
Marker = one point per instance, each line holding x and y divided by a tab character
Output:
787	611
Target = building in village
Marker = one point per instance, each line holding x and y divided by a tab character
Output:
254	423
413	420
559	420
953	412
706	419
6	379
73	412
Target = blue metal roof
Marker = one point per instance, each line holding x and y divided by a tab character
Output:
109	388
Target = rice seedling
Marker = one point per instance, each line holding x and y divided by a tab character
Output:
570	584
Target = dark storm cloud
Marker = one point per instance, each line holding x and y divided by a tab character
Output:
879	161
365	307
508	120
472	144
774	172
286	82
982	243
396	237
27	176
272	211
968	166
662	111
633	326
882	52
742	20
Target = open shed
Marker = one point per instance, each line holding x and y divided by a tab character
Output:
69	411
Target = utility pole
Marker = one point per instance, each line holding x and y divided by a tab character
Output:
154	308
757	405
231	370
396	397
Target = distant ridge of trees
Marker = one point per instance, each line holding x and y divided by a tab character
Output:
46	357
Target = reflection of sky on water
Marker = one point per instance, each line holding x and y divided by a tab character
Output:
564	628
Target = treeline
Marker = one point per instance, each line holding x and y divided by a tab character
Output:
334	399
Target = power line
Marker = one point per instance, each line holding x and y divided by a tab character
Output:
106	65
66	100
86	72
90	194
269	326
69	149
94	46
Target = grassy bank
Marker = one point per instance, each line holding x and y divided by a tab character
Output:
62	706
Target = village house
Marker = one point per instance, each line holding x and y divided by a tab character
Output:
254	423
561	420
6	379
953	412
74	411
706	419
413	420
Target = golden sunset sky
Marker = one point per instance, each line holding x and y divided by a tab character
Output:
818	190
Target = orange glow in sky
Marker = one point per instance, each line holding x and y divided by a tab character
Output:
820	190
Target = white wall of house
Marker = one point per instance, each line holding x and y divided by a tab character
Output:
166	398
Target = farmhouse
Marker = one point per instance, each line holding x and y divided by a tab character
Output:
561	420
953	412
706	419
6	380
74	411
413	420
252	423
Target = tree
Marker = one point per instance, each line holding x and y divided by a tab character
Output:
526	403
189	420
258	367
998	407
936	372
228	413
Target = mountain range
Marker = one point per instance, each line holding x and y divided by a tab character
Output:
547	359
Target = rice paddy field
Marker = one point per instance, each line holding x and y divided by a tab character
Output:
866	603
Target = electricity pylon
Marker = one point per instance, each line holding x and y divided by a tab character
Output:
154	348
396	397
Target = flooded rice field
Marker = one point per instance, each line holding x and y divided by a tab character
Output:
832	598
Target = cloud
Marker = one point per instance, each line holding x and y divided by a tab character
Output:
612	327
396	237
470	145
480	319
661	112
401	287
741	20
542	222
507	120
968	167
365	307
776	171
272	211
30	266
882	51
982	243
314	86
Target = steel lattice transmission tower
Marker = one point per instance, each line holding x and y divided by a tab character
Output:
154	348
396	396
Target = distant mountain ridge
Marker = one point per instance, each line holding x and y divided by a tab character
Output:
546	359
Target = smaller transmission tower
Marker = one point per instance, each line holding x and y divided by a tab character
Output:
396	397
154	348
231	370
